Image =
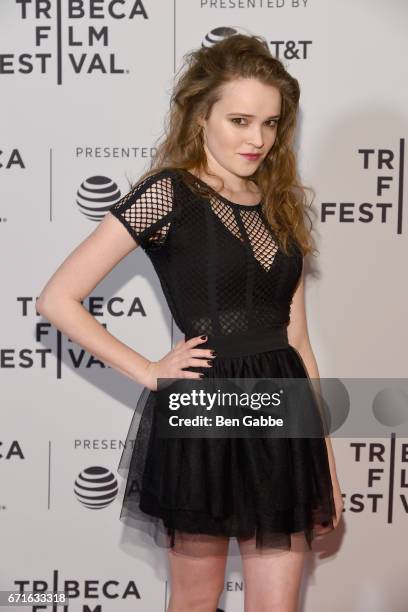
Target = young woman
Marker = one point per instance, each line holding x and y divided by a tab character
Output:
221	214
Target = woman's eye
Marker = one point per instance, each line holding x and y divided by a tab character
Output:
272	122
237	119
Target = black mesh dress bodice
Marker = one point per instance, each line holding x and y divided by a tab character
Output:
220	269
224	276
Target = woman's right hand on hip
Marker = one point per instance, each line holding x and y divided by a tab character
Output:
184	354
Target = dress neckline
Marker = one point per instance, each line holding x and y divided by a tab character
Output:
223	198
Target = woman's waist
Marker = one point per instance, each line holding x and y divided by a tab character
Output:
247	343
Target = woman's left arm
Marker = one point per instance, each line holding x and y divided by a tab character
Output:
298	337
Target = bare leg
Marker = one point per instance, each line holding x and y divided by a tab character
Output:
272	579
197	571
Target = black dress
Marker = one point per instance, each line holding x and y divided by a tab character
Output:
223	275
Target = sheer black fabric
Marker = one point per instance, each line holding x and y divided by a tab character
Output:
223	275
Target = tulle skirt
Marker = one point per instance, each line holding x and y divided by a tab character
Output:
184	490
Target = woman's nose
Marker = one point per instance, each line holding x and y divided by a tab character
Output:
256	138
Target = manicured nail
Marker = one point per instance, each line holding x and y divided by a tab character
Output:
203	337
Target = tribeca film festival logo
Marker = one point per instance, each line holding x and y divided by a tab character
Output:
386	472
83	594
385	167
71	34
62	349
54	347
54	342
374	413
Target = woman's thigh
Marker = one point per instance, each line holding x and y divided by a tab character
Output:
272	579
197	570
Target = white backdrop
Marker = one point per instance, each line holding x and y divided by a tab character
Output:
79	107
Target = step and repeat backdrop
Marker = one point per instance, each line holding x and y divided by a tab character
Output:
85	85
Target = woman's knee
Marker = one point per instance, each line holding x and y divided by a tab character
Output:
193	602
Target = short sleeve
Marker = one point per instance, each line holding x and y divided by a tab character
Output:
147	210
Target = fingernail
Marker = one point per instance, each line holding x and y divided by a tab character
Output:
213	353
210	361
203	337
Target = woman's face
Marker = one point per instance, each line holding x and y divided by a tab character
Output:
244	120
